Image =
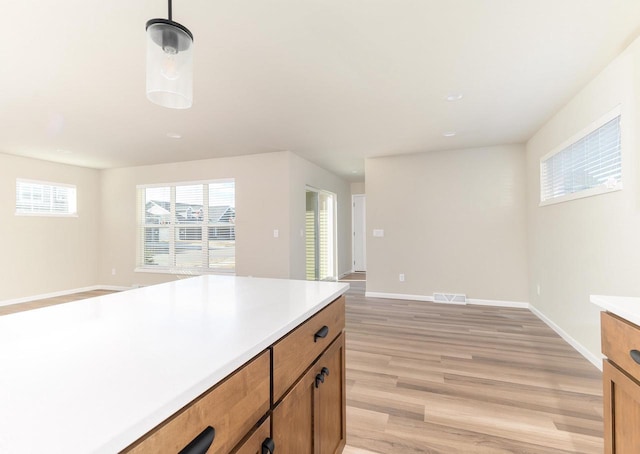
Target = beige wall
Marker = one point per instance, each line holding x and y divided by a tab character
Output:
269	196
357	188
47	254
591	245
454	221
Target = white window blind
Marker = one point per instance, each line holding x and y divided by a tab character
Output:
590	165
39	198
187	227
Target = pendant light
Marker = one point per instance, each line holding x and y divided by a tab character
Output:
169	63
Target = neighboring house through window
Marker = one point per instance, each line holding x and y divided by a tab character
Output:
187	227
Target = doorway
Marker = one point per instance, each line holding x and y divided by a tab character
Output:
320	238
359	233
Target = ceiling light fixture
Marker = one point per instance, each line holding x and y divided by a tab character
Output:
449	133
169	63
174	135
451	97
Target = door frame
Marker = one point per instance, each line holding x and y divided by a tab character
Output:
353	233
334	230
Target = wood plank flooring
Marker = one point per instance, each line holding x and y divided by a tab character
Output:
432	378
37	304
445	379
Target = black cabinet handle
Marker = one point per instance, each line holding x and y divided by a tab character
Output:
268	446
319	379
200	444
321	334
635	355
325	371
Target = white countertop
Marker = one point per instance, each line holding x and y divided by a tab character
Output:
95	375
627	307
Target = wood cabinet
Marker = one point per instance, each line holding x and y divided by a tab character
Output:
299	349
621	384
290	399
257	440
232	409
310	419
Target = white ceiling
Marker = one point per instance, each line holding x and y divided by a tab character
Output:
334	81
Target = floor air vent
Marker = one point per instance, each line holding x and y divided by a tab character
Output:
451	298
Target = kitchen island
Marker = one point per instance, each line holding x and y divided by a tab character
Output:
105	374
620	340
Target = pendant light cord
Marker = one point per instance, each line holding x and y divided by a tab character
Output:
170	11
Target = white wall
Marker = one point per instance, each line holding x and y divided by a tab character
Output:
453	221
47	254
262	201
591	245
269	196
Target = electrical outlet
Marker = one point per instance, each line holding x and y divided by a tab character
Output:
401	277
538	289
113	271
276	233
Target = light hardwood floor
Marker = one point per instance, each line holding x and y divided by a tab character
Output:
432	378
37	304
445	379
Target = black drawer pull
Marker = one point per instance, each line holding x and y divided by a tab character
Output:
319	379
325	371
268	446
635	355
200	444
321	334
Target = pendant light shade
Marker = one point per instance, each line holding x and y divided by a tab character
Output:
169	63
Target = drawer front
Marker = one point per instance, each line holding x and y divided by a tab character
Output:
253	445
232	408
619	338
295	352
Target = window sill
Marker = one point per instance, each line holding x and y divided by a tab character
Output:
182	272
49	215
582	194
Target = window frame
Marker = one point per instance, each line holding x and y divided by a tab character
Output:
593	191
72	190
174	227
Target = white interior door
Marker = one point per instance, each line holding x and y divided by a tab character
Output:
359	233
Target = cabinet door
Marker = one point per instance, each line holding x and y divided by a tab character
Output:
621	411
253	445
293	423
311	417
330	405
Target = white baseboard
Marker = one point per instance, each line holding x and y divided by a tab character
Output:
498	303
399	296
42	296
402	296
595	360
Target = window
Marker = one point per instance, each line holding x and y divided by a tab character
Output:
587	164
39	198
187	227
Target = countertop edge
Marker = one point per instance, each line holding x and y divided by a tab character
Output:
626	307
125	439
